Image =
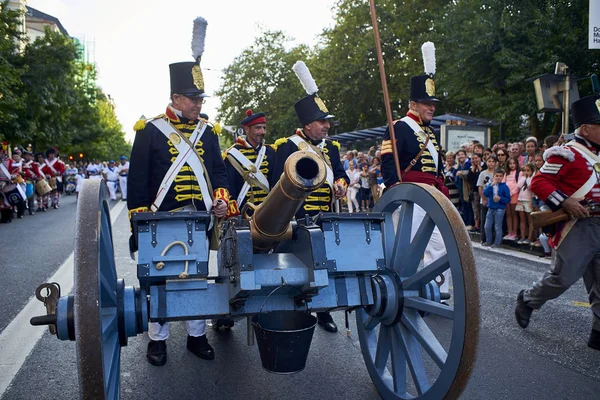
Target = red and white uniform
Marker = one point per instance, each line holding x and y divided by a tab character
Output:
31	170
53	167
565	172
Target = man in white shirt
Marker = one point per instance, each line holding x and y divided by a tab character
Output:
111	176
94	170
123	171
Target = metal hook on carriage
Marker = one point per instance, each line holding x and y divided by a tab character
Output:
160	265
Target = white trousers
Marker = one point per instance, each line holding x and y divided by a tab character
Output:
351	197
435	248
194	328
112	189
123	186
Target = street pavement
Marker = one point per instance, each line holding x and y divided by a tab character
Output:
549	360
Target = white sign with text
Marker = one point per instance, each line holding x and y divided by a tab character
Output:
453	137
594	33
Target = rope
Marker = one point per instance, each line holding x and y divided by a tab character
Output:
160	265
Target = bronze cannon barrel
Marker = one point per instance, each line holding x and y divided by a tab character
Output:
303	173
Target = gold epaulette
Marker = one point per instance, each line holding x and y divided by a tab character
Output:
272	146
279	142
141	123
336	144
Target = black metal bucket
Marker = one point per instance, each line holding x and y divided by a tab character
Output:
284	339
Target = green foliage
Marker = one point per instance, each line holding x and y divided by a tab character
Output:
12	97
486	53
261	79
50	97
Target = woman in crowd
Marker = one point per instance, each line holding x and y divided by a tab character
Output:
462	169
365	187
502	156
511	180
376	178
485	177
353	187
449	178
473	177
530	150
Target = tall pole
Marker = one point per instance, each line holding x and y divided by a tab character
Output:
566	104
386	96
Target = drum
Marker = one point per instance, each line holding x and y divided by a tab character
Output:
42	188
53	183
12	194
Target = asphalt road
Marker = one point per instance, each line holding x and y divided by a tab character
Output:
549	360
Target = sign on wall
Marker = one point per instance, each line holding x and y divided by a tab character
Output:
594	33
454	136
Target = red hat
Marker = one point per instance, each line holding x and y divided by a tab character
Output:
253	119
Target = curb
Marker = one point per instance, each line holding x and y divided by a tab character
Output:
513	250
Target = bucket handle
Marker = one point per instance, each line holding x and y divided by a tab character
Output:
283	284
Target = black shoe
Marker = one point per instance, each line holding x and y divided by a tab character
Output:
157	352
200	347
522	311
226	323
594	341
39	209
324	319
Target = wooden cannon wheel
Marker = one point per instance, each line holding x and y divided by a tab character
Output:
416	347
96	285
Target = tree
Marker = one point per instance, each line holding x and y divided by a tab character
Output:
490	50
261	79
12	97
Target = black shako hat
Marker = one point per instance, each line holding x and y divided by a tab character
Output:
586	110
186	80
422	89
311	108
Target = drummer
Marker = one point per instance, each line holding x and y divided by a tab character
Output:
53	168
43	198
16	170
31	173
6	209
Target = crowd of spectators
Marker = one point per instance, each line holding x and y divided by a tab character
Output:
490	187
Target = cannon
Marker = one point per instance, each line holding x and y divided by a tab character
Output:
413	345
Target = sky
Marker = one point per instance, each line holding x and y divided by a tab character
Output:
134	41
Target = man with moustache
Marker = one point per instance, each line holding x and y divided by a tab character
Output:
249	164
165	175
314	118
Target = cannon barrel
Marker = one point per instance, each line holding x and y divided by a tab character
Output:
271	222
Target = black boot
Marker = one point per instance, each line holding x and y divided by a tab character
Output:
200	347
594	341
522	311
157	352
324	319
225	323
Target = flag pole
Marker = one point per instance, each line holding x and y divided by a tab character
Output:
386	96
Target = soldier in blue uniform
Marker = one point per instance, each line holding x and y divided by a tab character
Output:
416	143
249	163
418	153
165	175
314	118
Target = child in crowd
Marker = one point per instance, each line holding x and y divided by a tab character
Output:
537	203
512	179
498	196
525	204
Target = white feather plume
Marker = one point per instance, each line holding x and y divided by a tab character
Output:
305	77
198	36
428	50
